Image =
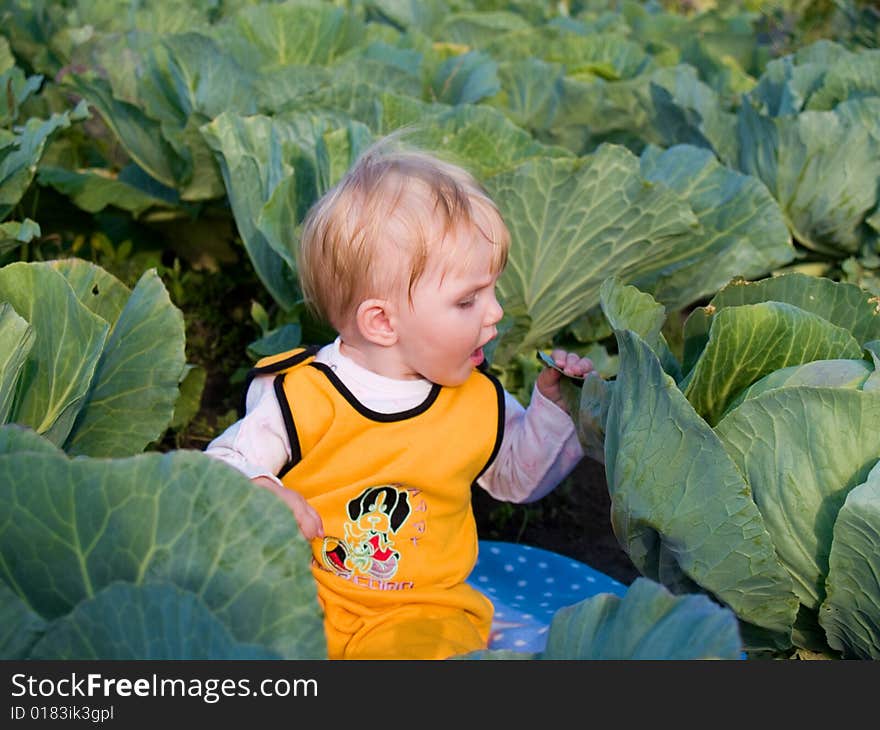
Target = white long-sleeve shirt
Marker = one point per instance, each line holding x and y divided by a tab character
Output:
539	446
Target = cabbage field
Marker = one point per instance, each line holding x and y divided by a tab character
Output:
693	193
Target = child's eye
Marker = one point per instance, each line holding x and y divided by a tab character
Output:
464	304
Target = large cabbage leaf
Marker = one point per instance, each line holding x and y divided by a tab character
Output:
850	614
19	87
648	622
355	83
802	450
93	393
663	223
821	166
267	36
817	76
479	137
680	506
853	75
274	169
787	83
21	150
530	94
68	340
132	397
752	340
71	528
663	106
573	223
743	230
479	29
139	134
723	44
466	79
15	438
681	109
842	304
150	622
187	81
627	308
95	287
20	627
95	189
608	56
836	373
15	233
423	16
16	341
183	81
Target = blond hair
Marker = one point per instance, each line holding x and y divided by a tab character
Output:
377	229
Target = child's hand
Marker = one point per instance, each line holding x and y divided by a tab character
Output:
549	379
307	518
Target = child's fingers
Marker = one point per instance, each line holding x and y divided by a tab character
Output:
572	363
548	378
583	366
307	518
309	523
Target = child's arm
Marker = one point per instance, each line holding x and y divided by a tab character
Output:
307	518
257	446
540	446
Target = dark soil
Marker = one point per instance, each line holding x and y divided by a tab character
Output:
573	520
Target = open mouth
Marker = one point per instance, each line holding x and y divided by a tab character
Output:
477	355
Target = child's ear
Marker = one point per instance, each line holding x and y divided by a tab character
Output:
374	322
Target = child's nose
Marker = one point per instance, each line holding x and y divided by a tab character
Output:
494	313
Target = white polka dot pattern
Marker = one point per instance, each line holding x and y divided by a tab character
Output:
527	586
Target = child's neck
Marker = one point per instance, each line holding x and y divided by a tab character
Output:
375	358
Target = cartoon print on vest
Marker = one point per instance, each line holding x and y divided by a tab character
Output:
375	515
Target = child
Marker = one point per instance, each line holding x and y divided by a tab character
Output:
375	440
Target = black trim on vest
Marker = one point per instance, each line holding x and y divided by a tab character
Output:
289	425
369	413
287	362
499	434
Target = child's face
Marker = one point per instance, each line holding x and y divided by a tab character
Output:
453	314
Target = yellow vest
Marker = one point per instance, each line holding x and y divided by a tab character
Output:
393	490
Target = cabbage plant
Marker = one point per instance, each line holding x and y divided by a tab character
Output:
753	475
647	622
675	222
810	131
266	105
22	145
155	556
93	366
179	556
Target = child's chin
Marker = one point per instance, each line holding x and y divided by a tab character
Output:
449	380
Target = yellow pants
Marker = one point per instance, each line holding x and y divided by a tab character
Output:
407	631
